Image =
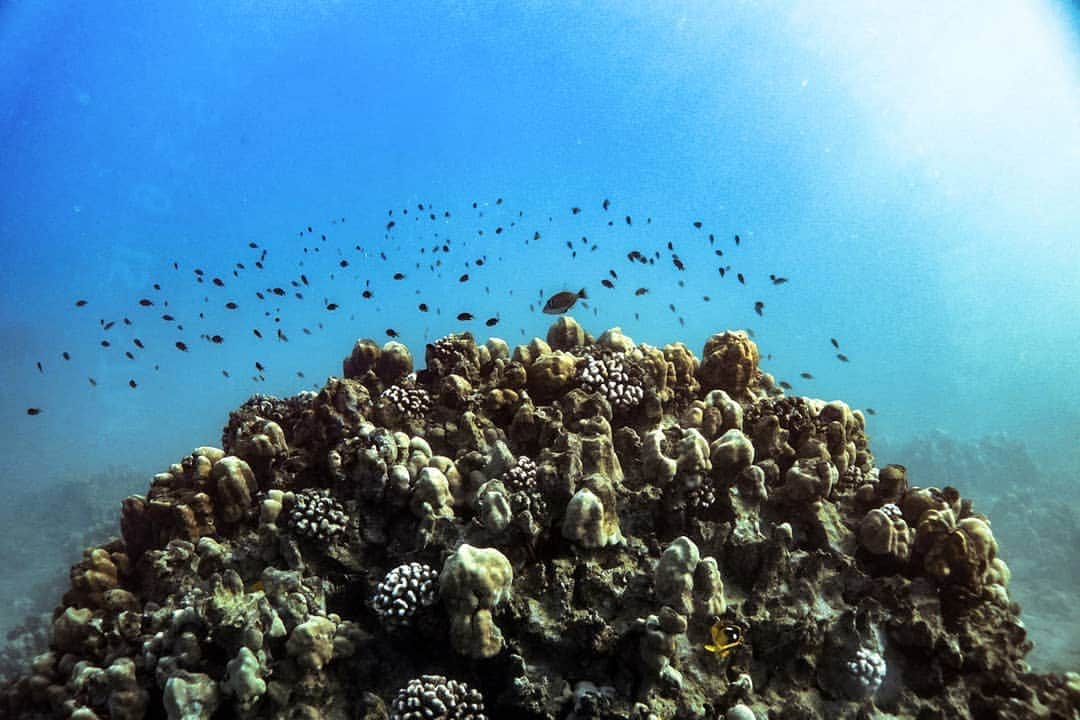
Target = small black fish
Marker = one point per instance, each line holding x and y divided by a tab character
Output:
167	318
737	240
464	278
108	325
741	278
217	339
758	307
33	411
181	346
697	224
128	355
92	381
138	343
677	262
628	220
80	303
560	302
280	292
66	355
231	305
343	263
785	384
299	374
104	344
422	307
366	294
842	357
132	384
257	333
303	279
332	306
806	376
145	302
391	332
465	317
399	276
127	321
607	283
641	291
390	224
225	373
492	322
778	280
259	366
871	411
575	210
614	275
835	344
219	282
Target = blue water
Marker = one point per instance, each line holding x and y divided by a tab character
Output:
914	176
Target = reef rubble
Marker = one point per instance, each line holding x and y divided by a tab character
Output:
573	528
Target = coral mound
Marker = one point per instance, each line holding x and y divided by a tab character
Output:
573	528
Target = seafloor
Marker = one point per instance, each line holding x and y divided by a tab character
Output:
573	528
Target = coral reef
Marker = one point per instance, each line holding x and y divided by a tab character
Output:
1039	537
405	590
433	697
574	528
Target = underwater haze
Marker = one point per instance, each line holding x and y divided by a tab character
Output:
910	171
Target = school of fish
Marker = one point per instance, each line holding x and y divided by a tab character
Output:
432	251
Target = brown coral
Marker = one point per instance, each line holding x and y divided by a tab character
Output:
730	363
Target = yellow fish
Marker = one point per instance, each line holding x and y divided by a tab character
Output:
725	638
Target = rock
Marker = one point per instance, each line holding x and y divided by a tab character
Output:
551	374
361	363
565	334
732	452
393	363
730	363
311	643
674	581
592	519
233	487
190	696
614	340
473	582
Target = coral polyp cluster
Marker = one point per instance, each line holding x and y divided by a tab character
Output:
575	527
405	590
